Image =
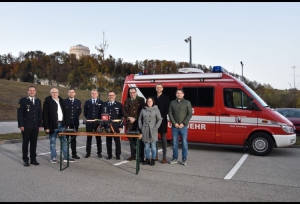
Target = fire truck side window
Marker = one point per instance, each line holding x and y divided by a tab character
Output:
235	98
200	96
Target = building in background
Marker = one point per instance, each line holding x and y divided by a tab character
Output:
79	50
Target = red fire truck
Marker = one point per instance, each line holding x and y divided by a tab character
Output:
225	110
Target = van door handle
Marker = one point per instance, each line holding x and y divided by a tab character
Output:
225	114
210	113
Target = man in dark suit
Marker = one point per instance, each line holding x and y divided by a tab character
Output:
54	121
30	122
114	109
163	102
131	111
92	110
73	111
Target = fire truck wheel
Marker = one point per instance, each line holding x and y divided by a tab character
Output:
260	144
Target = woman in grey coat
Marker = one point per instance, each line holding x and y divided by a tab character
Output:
149	122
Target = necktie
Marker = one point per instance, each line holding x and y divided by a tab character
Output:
93	101
32	101
72	102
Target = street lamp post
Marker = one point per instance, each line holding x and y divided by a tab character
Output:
189	39
242	71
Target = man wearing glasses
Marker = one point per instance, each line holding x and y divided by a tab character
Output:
114	109
131	111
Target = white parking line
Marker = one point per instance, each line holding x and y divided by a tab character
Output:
236	167
119	163
70	149
123	162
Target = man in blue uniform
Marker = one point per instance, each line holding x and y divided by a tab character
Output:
92	110
114	109
73	111
30	122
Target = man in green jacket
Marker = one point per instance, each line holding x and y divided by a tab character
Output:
180	113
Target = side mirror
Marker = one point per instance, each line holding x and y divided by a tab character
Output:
251	104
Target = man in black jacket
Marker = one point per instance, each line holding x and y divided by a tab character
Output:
55	120
73	111
92	110
114	109
163	102
30	122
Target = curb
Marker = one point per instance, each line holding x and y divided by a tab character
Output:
20	140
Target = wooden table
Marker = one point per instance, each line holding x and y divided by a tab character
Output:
63	141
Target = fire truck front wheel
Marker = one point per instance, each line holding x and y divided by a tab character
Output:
260	144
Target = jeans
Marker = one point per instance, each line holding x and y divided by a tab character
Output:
183	132
153	149
53	137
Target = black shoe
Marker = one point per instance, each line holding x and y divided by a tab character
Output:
75	157
118	158
87	156
26	164
99	156
146	162
109	157
131	158
34	162
152	163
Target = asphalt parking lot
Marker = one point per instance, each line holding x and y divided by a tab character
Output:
213	173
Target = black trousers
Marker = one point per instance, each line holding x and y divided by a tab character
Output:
164	144
29	136
73	141
89	140
133	142
117	143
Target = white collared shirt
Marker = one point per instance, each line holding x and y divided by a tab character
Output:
31	99
59	111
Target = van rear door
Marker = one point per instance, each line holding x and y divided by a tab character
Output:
202	126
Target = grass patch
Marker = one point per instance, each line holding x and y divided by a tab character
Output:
12	91
297	141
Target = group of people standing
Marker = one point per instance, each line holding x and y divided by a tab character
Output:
149	117
56	114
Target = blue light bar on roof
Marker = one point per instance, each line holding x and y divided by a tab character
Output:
219	69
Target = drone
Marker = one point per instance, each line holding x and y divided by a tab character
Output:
105	123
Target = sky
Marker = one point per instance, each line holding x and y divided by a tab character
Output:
265	36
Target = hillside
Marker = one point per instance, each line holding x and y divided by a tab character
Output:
12	91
